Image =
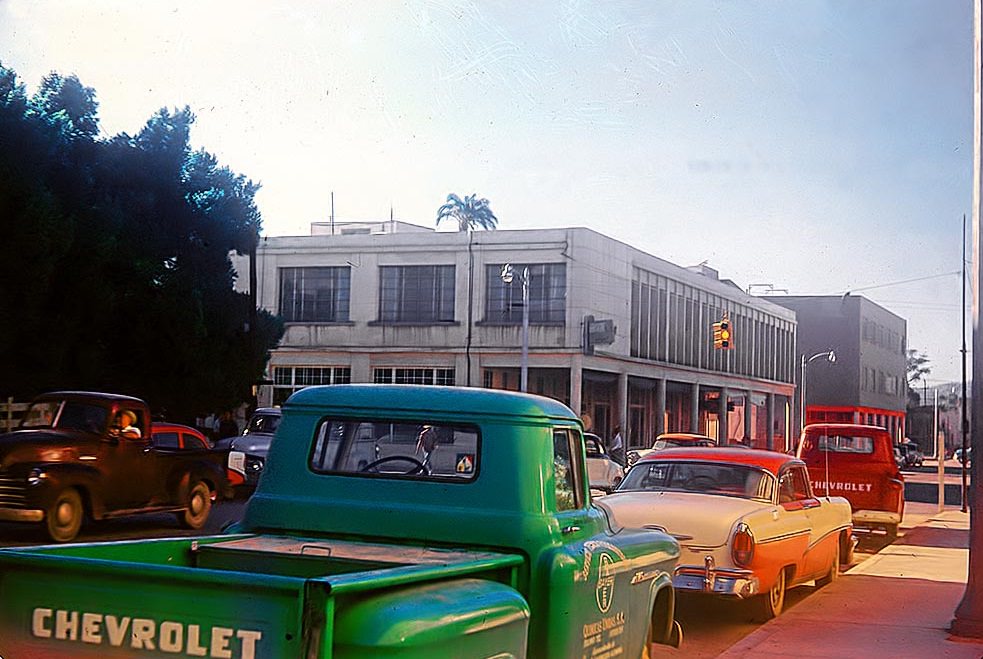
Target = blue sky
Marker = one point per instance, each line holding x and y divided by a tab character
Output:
816	146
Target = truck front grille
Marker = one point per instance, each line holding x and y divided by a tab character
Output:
12	491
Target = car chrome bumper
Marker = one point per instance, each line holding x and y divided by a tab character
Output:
20	515
864	518
710	579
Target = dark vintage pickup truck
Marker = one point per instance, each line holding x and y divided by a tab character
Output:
81	454
391	521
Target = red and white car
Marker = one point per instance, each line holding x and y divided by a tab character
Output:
747	522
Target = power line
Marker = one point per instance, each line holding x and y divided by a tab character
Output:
906	281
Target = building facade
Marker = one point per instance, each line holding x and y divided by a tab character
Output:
867	383
622	337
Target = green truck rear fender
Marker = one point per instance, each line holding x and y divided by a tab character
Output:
466	617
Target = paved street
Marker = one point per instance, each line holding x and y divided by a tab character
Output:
158	525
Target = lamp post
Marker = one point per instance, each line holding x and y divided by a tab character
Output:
508	274
831	358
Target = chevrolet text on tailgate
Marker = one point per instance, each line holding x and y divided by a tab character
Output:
391	521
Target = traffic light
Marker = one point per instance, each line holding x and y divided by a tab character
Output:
722	338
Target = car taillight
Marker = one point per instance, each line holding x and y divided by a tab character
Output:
742	549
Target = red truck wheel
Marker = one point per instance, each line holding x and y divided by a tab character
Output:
198	508
63	519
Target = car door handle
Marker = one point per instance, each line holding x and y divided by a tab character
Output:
570	529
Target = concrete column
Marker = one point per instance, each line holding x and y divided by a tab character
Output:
770	416
722	417
461	370
576	383
361	368
747	417
660	409
694	408
623	406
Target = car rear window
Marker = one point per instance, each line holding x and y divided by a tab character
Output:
840	444
423	450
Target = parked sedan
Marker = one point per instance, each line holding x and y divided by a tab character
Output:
671	440
605	474
747	521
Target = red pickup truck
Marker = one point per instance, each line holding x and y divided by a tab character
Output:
856	462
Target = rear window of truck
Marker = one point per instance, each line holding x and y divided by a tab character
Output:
419	450
840	444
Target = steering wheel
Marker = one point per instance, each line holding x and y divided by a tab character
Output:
418	467
700	483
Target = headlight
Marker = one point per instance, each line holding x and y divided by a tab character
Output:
36	476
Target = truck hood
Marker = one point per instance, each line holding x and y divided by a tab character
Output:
694	519
254	444
30	445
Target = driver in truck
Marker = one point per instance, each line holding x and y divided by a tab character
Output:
125	422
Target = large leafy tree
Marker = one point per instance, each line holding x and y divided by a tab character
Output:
470	213
117	273
916	367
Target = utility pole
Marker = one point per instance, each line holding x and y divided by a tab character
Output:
969	614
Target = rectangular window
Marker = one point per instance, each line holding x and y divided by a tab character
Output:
288	379
566	470
416	294
401	449
315	295
439	376
547	294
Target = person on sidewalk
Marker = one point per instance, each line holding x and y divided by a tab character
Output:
617	448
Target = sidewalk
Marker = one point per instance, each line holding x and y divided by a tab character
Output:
897	603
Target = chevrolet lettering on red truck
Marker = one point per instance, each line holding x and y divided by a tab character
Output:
391	521
79	454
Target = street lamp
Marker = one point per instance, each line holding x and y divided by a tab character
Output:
507	275
831	358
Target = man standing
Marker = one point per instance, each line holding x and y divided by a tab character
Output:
617	448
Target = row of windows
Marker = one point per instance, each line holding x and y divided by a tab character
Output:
883	337
423	294
672	322
880	382
288	379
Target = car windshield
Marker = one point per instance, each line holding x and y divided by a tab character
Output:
422	450
725	479
68	415
262	423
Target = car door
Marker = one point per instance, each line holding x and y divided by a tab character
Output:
795	498
131	477
823	536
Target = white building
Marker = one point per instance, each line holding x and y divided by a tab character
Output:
393	302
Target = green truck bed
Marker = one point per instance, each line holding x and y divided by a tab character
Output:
239	596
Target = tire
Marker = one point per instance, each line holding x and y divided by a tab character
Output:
198	507
834	569
63	519
769	605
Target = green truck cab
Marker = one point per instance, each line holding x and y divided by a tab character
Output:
390	521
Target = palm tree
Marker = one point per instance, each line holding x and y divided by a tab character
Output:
470	213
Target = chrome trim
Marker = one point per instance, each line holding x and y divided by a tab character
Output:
784	536
12	515
838	529
709	579
643	575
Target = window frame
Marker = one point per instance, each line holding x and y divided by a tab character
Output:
338	294
442	295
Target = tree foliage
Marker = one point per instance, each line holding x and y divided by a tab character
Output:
470	213
916	366
116	271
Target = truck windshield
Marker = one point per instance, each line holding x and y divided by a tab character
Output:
69	415
423	450
703	477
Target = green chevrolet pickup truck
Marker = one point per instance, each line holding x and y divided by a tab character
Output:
390	521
